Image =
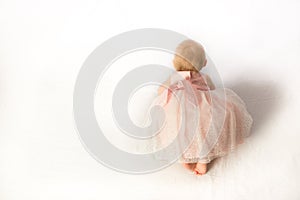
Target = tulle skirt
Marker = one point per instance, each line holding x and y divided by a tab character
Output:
212	123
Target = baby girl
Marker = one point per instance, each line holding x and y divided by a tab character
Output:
235	124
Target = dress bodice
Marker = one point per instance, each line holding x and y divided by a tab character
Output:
196	79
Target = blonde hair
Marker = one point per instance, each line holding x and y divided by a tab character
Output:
190	56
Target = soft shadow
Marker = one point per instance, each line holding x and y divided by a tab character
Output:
262	100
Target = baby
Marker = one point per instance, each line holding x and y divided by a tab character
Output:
189	60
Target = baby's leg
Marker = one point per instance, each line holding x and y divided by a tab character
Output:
190	166
200	169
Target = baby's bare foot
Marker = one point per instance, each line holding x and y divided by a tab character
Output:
200	169
190	166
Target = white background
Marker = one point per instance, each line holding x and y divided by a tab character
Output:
255	45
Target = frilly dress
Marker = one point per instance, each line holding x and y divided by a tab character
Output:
211	123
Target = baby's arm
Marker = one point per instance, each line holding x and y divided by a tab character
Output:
209	82
161	88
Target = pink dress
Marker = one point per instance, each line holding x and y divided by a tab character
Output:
211	122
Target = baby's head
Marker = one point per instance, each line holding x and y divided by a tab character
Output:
190	56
